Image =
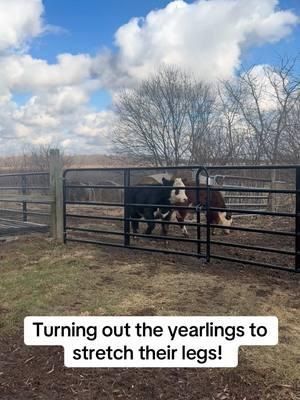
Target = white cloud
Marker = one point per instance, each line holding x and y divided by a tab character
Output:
20	20
22	73
61	118
205	37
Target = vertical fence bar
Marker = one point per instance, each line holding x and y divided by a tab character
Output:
207	206
60	228
64	209
52	185
126	208
198	209
297	222
24	203
198	206
272	197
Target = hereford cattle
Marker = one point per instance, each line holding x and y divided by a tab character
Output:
165	195
216	200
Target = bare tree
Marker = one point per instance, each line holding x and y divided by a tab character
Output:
268	101
165	119
291	148
171	119
229	133
37	158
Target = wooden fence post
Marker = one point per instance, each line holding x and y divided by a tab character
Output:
56	187
272	196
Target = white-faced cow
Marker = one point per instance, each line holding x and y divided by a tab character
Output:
164	195
216	200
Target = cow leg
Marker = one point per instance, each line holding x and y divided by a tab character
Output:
165	227
135	224
149	214
165	215
165	218
180	216
213	218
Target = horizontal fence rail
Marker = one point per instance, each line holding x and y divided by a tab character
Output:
86	221
21	189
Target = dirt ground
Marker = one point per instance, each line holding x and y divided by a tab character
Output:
39	277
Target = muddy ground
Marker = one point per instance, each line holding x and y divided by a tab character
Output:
40	277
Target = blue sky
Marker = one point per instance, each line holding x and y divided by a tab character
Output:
62	62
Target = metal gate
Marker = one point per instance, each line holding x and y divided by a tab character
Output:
24	203
86	219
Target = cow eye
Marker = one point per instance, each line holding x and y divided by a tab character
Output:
176	192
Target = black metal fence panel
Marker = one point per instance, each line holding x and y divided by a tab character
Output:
97	209
24	202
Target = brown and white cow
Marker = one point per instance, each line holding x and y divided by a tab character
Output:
216	200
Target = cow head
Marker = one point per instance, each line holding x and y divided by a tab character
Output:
177	195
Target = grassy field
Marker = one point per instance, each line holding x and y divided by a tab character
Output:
39	277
